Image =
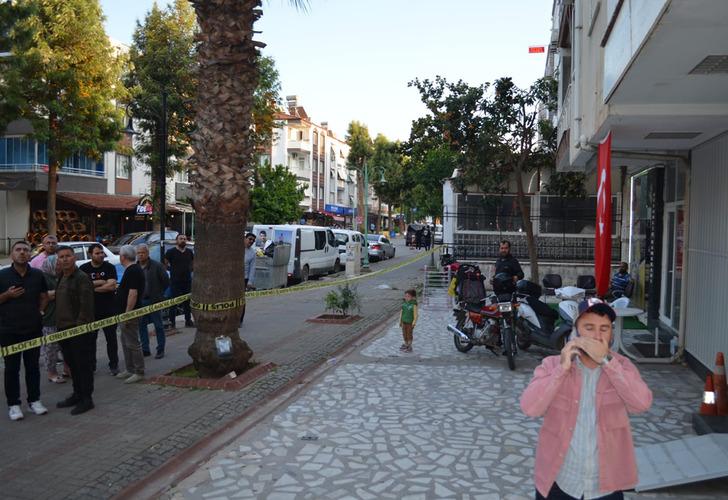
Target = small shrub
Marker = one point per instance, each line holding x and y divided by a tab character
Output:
343	300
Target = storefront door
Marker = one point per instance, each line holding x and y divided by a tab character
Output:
672	256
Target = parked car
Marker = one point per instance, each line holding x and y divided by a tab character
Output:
380	247
148	237
343	236
314	249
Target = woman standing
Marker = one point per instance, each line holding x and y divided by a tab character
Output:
49	352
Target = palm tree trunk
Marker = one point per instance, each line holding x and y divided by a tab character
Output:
221	168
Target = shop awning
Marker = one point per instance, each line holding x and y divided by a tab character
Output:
108	202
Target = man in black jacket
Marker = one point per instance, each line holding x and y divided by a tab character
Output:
75	307
507	263
156	282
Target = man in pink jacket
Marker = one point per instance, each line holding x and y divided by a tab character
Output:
585	447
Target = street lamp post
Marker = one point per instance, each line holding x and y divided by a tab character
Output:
365	264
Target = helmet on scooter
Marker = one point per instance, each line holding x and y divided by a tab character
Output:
528	288
503	283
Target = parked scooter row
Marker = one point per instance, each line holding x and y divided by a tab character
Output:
512	317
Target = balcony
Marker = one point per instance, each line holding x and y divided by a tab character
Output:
300	146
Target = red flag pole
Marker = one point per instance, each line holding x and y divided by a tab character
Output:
603	239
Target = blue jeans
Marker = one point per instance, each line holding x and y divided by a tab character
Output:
156	319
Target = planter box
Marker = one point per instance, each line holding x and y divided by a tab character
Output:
224	383
335	319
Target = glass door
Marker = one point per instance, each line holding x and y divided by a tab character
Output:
673	240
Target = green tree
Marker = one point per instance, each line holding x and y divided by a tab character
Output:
162	60
360	151
221	169
276	198
489	132
267	102
63	76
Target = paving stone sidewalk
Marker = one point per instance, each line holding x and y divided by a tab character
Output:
432	424
137	428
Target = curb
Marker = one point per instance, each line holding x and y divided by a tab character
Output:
179	467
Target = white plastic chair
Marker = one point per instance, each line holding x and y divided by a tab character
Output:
620	303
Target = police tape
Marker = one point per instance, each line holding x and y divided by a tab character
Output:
219	306
97	325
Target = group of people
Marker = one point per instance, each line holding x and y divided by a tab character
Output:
51	293
425	237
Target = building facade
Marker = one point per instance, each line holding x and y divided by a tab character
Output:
654	73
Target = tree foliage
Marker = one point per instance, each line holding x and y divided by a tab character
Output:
267	100
63	76
276	197
162	59
361	150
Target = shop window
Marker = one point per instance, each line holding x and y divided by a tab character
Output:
123	166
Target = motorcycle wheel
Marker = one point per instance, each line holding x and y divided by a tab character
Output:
509	346
460	345
522	339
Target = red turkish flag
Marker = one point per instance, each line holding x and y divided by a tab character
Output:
603	241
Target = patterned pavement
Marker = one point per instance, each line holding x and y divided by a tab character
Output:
435	423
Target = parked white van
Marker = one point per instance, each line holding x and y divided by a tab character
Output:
343	236
314	249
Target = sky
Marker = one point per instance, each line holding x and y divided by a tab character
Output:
351	60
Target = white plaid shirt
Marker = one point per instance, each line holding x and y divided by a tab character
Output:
579	474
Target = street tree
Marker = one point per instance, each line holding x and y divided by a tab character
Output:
162	61
360	151
385	160
276	196
489	132
63	76
267	101
221	170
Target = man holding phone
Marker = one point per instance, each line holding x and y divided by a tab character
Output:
585	447
23	298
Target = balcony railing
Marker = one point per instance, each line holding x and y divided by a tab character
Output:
299	145
44	168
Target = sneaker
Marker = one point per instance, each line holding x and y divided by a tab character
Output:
159	355
408	349
114	371
403	347
15	413
189	324
134	379
83	407
123	375
38	408
71	400
146	354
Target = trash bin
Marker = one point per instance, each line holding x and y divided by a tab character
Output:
272	272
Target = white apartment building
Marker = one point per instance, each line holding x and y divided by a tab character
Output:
317	157
654	73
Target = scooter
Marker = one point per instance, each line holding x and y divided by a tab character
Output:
536	320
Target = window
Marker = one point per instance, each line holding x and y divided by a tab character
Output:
332	238
123	166
572	215
302	163
17	151
79	252
496	213
342	238
321	192
320	239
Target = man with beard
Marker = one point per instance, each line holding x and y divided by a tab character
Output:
506	263
179	261
103	276
23	298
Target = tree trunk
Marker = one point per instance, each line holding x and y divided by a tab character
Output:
52	177
360	197
390	227
220	173
379	216
526	219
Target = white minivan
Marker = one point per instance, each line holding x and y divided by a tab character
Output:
314	249
343	236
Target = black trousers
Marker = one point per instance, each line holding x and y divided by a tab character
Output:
80	352
31	360
177	290
557	494
112	346
242	314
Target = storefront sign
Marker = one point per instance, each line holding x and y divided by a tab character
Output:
144	206
339	210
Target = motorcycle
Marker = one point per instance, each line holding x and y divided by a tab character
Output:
535	323
489	323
